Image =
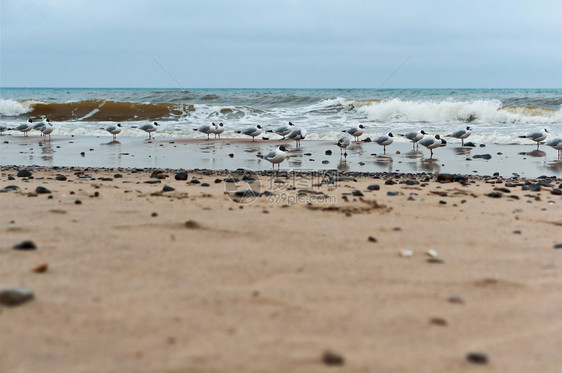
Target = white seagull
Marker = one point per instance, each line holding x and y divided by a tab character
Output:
114	130
384	141
207	129
149	128
40	125
219	128
536	136
556	144
356	132
276	157
297	134
25	127
47	129
283	130
431	143
414	136
251	131
461	134
343	143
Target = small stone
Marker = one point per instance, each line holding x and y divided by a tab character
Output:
456	299
445	178
154	214
389	182
328	152
41	268
438	321
389	193
374	187
357	193
205	184
331	358
168	188
495	194
42	190
155	173
191	224
470	144
218	181
153	181
441	202
432	253
24	173
77	202
558	246
25	246
482	156
372	239
60	178
435	260
517	231
397	229
15	296
556	192
117	176
406	253
231	155
477	357
181	175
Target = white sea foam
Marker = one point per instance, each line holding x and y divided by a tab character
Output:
12	108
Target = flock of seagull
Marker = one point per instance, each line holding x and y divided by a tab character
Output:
291	132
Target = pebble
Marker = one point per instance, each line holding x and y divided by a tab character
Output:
328	152
205	184
168	188
477	357
435	260
117	176
456	299
389	193
556	192
77	202
153	181
558	246
41	268
406	253
357	193
181	175
495	194
483	156
331	358
372	239
432	253
60	178
191	224
25	245
445	178
15	296
24	173
374	187
438	321
42	190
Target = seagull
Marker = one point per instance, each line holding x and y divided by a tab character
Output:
536	136
151	127
207	129
276	157
414	136
343	142
114	130
297	134
25	127
385	140
40	125
47	129
283	130
461	134
251	131
356	131
556	144
431	143
219	128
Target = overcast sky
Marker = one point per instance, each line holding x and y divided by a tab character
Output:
281	43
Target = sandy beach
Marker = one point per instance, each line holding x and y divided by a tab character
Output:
356	272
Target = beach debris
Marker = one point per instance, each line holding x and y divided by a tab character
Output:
477	357
457	299
331	358
432	253
41	268
406	253
15	296
25	245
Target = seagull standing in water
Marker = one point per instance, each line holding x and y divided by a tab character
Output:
207	129
536	136
219	128
461	134
114	130
297	134
414	136
556	144
283	130
431	143
47	129
343	143
25	127
356	132
384	141
40	125
276	157
149	128
251	131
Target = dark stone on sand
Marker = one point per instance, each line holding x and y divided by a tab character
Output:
517	231
231	180
456	299
153	181
558	246
368	139
372	239
106	179
328	152
77	202
532	187
357	193
15	296
195	181
482	145
60	178
438	321
82	154
495	194
389	182
218	181
459	179
25	246
325	162
483	156
502	189
181	175
556	192
477	357
205	185
11	177
168	188
374	187
441	202
445	178
435	260
248	178
11	187
24	173
191	224
410	182
470	144
117	176
246	193
389	193
155	173
331	358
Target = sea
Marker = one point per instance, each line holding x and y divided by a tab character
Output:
496	116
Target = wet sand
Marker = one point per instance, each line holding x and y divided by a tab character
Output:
506	160
189	280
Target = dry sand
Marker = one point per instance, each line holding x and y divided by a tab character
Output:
271	285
